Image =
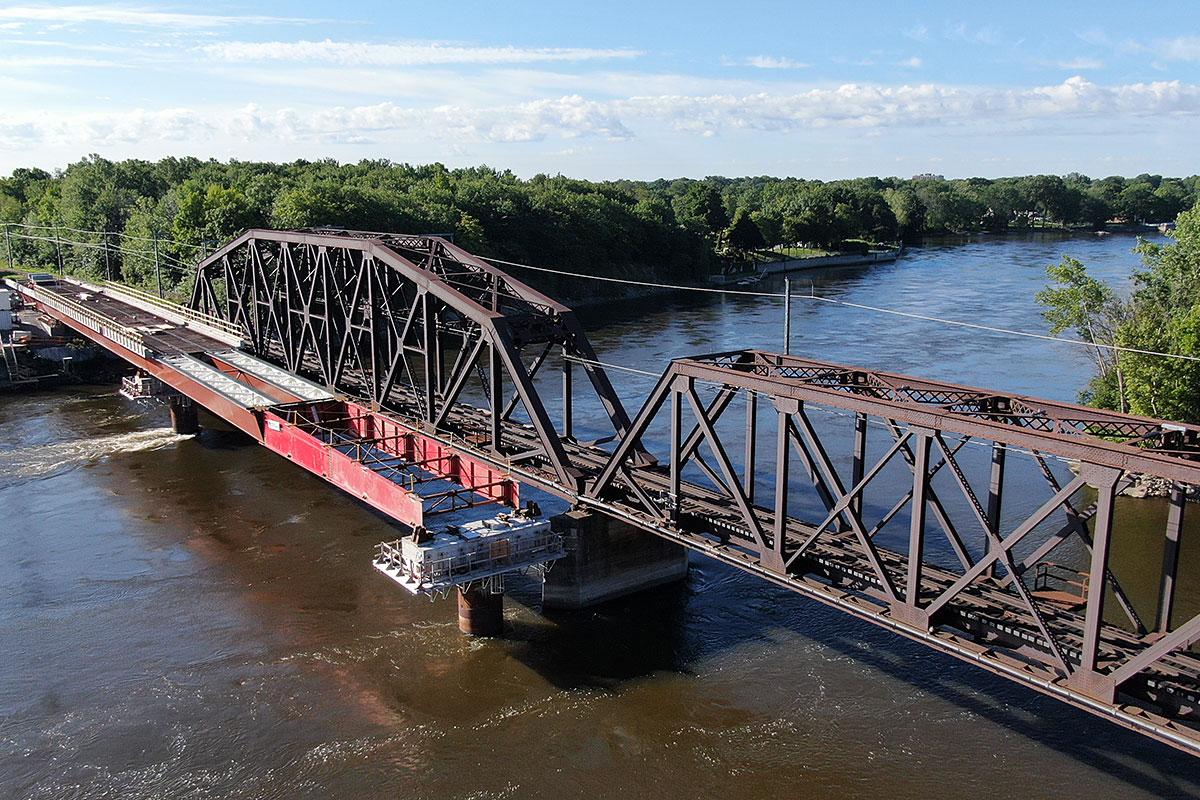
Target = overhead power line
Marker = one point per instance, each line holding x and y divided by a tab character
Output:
861	306
182	267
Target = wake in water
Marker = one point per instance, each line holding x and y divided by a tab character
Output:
29	463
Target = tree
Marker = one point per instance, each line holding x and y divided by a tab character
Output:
743	236
908	210
701	209
1076	300
1161	316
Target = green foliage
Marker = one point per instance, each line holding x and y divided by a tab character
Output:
743	236
1162	316
671	229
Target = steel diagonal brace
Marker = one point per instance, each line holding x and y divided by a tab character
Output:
903	501
1077	524
931	497
856	524
631	441
1002	551
732	482
847	498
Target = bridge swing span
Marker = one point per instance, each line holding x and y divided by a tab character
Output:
366	358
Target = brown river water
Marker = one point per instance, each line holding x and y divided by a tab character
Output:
197	618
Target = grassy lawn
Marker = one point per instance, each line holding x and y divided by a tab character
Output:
798	252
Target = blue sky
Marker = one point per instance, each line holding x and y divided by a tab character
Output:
612	89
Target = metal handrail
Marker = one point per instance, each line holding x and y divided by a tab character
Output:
126	337
183	311
444	570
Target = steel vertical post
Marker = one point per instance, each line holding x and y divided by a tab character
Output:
497	394
8	241
783	452
916	533
568	411
995	498
858	461
58	252
748	476
787	315
1170	566
1106	483
676	465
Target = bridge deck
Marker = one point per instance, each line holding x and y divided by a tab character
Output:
836	573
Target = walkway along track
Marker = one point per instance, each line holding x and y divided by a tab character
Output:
395	328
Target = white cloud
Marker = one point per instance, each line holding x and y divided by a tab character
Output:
912	63
400	55
856	106
869	106
566	117
1081	62
918	32
46	62
131	16
1182	48
775	62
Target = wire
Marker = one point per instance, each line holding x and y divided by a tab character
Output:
618	367
683	288
628	282
860	306
993	329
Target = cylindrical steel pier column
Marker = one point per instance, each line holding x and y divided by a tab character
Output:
480	613
184	418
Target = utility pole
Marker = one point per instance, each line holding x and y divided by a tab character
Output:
787	316
107	265
157	267
8	241
58	251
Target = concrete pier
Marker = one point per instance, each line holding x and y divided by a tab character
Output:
184	417
606	559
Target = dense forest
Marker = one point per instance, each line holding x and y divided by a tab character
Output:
102	218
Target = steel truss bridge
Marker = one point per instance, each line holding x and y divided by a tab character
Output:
415	376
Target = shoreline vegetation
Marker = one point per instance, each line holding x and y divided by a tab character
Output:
1147	346
116	219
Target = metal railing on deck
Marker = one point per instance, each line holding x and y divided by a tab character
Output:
128	338
189	314
489	558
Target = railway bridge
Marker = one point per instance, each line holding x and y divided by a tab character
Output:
420	378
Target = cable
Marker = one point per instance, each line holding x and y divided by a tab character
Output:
102	233
715	290
627	282
993	329
618	367
861	306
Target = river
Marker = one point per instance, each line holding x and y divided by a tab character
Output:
197	618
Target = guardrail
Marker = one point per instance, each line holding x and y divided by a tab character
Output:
189	315
490	557
113	331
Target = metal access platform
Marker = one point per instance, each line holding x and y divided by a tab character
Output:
476	553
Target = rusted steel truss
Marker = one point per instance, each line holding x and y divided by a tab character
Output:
901	513
408	322
954	566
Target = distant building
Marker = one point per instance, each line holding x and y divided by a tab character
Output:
928	176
